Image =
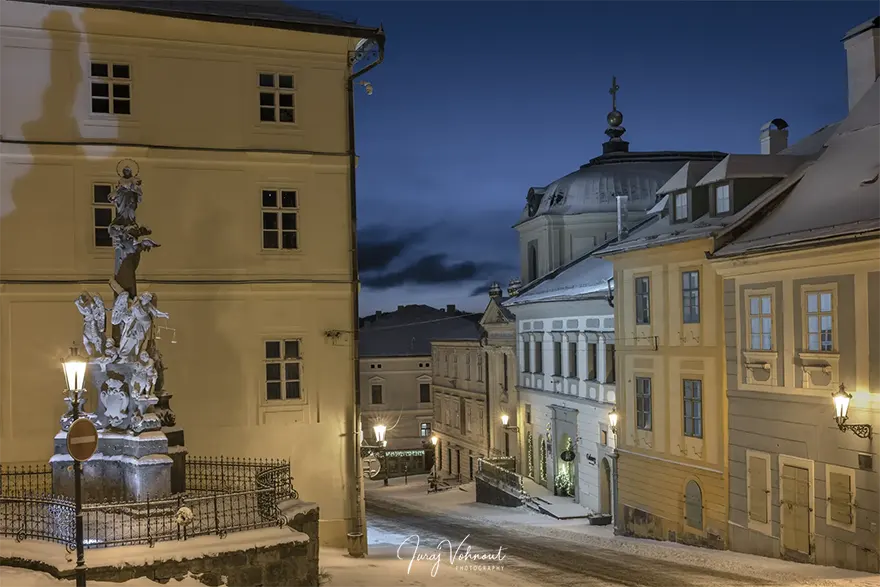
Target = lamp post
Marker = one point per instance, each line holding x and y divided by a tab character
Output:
841	401
379	430
74	374
434	441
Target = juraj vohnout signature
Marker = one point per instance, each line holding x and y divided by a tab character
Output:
460	554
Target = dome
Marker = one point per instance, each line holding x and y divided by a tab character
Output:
593	188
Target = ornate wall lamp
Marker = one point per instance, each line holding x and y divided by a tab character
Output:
612	420
841	407
504	420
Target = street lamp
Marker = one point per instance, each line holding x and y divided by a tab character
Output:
379	430
612	420
841	401
434	441
74	374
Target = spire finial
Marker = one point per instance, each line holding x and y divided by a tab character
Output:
613	91
615	120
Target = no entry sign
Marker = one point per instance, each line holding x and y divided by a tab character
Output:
82	439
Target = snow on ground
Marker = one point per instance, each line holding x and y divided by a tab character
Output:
460	502
10	577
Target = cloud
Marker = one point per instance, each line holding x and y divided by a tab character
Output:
376	250
431	269
482	289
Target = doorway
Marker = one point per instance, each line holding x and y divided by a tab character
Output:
795	505
605	488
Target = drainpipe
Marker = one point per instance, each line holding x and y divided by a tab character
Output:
358	526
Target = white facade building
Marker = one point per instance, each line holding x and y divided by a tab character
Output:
565	346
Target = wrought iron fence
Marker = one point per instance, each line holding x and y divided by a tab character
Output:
500	474
223	495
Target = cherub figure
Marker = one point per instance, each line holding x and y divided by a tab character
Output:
94	321
111	354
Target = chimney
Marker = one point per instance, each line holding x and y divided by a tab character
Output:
513	287
774	136
495	290
450	308
400	308
621	216
378	314
862	45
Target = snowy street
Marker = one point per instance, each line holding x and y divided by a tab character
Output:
538	550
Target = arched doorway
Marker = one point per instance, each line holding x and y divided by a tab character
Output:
605	488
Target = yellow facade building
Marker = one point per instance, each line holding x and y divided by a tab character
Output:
237	125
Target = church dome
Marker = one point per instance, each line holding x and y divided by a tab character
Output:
593	188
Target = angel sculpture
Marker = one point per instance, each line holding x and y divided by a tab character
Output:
94	322
136	321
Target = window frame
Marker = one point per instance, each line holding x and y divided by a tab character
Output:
280	211
557	358
422	425
646	296
572	360
760	294
694	402
374	385
283	360
527	354
676	208
829	502
727	199
422	399
539	357
644	417
111	81
101	206
277	91
592	361
685	299
818	290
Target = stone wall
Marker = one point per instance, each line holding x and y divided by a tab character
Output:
487	492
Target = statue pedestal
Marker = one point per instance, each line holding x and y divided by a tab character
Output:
124	467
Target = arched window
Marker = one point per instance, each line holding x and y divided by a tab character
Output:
693	505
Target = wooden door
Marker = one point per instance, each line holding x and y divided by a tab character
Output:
796	510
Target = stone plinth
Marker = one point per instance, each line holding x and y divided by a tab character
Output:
124	467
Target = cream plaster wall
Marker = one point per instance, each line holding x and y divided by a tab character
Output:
204	157
400	410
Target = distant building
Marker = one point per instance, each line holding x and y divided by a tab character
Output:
395	372
236	121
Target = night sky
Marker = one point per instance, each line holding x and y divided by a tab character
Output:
478	101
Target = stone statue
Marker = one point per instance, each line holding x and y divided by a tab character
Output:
91	306
153	350
111	355
129	238
143	378
127	197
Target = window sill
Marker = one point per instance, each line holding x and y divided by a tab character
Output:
820	369
279	128
281	253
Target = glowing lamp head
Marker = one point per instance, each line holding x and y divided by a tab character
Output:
504	419
841	403
74	369
379	431
434	440
612	419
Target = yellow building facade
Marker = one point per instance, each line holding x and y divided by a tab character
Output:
239	134
671	468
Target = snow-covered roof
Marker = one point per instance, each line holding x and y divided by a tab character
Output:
811	145
838	195
584	278
687	176
742	166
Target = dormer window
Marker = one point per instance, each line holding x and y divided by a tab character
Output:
722	198
681	206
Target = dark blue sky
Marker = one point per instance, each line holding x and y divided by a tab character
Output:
478	101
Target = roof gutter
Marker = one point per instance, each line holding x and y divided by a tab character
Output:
870	234
358	546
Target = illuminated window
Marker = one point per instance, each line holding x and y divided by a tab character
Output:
280	212
283	369
102	213
277	98
111	87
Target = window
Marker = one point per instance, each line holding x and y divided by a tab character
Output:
690	297
527	356
425	392
467	366
760	323
479	366
424	429
102	213
592	354
504	358
758	481
643	300
468	419
722	198
839	497
532	249
528	413
681	206
693	500
572	359
539	357
643	403
276	97
557	358
603	437
283	369
279	219
376	393
111	88
820	321
610	374
693	408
